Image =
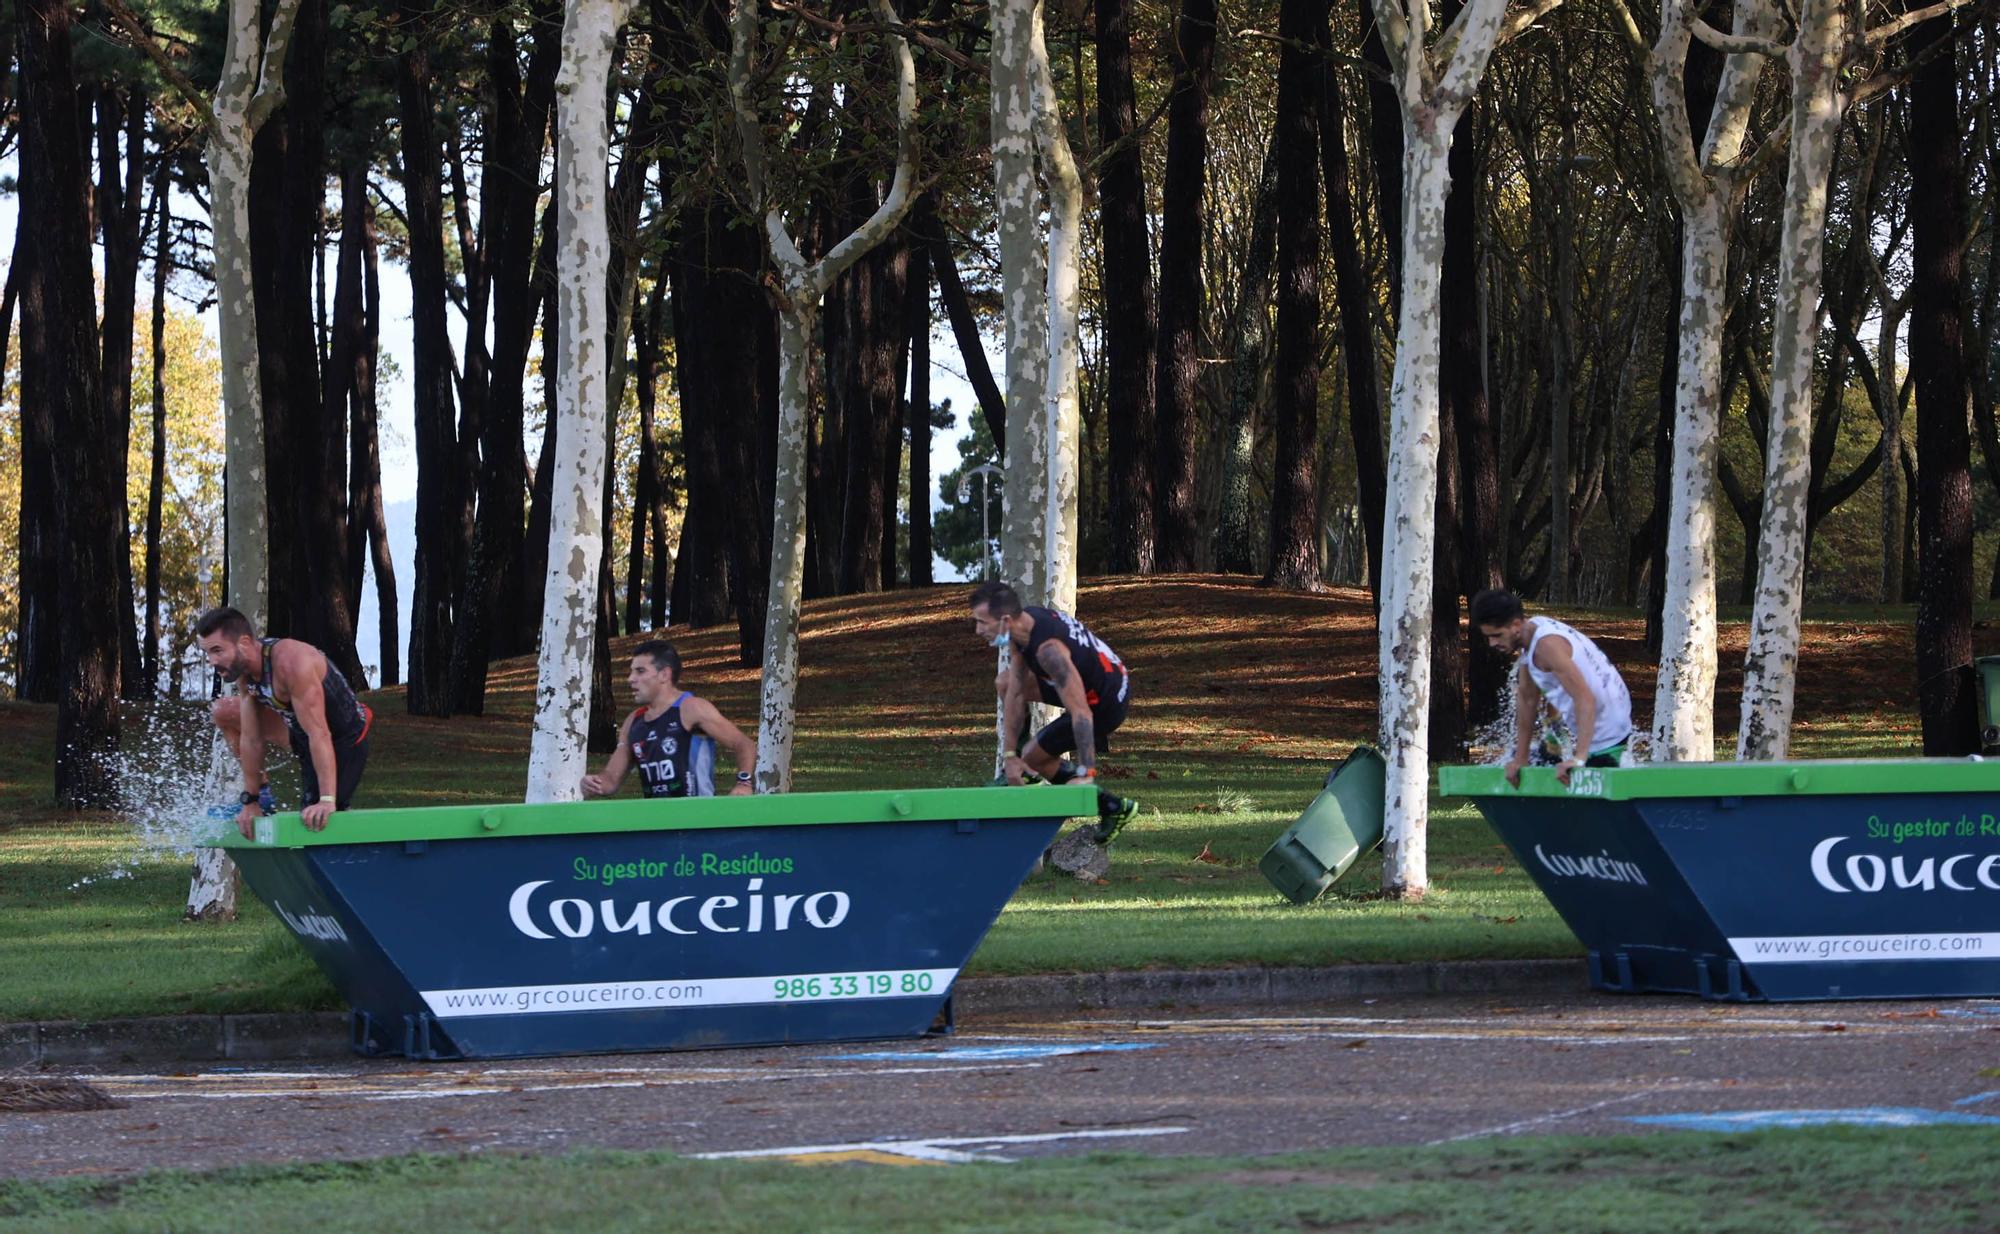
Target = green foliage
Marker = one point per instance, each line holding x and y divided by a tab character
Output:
955	530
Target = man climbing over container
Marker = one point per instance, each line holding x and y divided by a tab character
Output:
286	692
672	736
1568	671
1057	657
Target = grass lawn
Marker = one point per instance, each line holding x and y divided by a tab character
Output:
1802	1182
1244	699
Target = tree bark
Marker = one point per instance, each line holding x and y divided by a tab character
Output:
917	325
38	642
120	215
58	312
510	187
1770	664
583	253
156	476
1062	419
1946	688
1177	362
1294	553
1357	323
1131	321
439	498
646	482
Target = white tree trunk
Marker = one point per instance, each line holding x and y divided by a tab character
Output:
251	87
803	286
1684	704
1024	531
1432	100
557	753
1063	421
1409	522
1708	182
777	710
1770	666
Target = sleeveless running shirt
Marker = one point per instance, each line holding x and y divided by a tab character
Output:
674	761
347	717
1614	702
1103	673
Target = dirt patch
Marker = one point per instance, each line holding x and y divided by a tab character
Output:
40	1096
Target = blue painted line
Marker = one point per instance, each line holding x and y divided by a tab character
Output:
1762	1120
1976	1098
958	1054
1980	1012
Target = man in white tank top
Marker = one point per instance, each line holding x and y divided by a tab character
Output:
1567	670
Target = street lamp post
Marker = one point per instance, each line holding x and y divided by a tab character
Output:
984	471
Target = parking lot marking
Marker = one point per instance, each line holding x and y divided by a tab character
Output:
951	1149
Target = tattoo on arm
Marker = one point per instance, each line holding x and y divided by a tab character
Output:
1085	730
1055	662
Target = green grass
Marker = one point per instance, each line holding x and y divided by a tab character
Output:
1246	697
1803	1182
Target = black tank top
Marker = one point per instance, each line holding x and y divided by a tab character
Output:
1103	673
347	718
673	760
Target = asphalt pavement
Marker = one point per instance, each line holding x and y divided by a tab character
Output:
1408	1069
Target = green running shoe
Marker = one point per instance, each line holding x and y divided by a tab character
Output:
1111	823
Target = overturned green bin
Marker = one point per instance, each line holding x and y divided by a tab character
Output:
1753	881
587	927
1341	824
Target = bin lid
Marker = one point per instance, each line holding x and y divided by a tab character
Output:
1827	777
468	822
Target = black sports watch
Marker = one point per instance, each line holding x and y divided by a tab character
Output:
247	798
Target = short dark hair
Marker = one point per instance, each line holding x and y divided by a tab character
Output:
999	599
229	621
662	654
1496	607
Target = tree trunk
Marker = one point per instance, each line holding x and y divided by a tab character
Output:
917	323
1062	415
535	546
1239	548
576	545
369	530
1770	664
1177	363
1430	113
38	642
1023	291
1946	693
1485	672
1684	702
1131	322
509	187
58	313
1294	552
646	483
965	331
1357	323
877	343
439	499
801	288
120	186
156	478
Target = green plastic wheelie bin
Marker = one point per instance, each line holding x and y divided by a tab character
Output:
1341	824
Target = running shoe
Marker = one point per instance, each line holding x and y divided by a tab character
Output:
1113	821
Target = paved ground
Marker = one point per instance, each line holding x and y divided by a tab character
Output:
1416	1070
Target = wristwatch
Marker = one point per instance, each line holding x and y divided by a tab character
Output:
247	798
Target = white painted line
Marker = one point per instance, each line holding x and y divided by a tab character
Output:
659	1079
934	1148
1559	1115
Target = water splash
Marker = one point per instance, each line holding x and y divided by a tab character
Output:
1494	743
177	783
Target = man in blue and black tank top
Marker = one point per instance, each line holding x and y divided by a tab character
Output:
1055	657
286	692
672	737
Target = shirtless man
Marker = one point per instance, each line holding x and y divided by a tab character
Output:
287	692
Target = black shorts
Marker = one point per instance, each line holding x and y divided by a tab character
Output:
1060	736
349	761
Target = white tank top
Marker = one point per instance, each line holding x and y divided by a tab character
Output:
1614	702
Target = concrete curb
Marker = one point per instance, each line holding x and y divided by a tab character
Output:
280	1036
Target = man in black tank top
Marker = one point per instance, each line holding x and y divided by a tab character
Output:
672	737
286	691
1057	658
